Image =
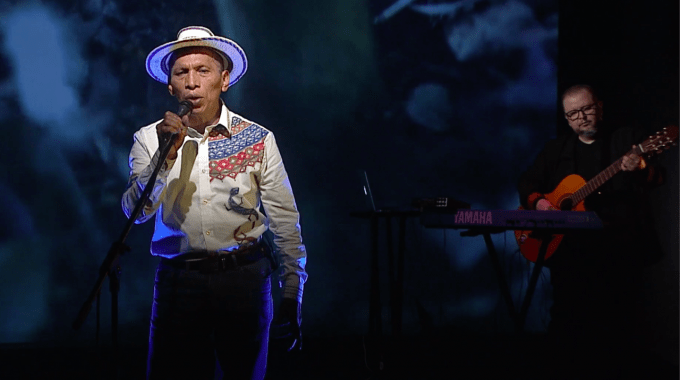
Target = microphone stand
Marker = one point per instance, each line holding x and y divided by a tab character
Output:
111	266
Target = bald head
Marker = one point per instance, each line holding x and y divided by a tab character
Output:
579	88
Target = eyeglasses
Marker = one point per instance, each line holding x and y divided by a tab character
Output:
590	109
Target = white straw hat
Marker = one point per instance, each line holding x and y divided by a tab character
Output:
235	58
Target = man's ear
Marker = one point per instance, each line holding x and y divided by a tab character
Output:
170	90
225	80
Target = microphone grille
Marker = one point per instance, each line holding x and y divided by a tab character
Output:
185	108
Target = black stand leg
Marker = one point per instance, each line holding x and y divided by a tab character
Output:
114	287
374	349
538	267
391	273
98	320
502	282
399	287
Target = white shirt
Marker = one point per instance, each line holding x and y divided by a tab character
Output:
209	197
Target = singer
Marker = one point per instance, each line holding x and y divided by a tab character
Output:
225	217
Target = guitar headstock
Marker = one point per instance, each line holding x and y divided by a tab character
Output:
662	140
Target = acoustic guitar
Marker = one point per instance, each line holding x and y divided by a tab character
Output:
571	192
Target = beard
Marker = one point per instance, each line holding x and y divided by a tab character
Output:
588	129
588	133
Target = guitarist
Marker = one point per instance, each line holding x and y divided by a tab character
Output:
593	274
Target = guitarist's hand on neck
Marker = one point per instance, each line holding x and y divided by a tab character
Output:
632	162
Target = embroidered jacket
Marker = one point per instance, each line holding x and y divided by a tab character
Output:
210	197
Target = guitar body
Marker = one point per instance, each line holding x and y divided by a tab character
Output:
529	243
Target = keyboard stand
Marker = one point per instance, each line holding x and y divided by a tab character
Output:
518	319
395	278
486	222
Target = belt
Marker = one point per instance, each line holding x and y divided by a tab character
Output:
219	262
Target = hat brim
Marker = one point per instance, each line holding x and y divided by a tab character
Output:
157	62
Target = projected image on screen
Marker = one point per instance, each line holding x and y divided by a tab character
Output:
431	98
473	98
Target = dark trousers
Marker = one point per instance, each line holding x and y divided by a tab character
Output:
199	317
594	322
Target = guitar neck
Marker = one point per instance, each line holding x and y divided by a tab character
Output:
601	178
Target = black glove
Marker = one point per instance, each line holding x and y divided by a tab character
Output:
287	324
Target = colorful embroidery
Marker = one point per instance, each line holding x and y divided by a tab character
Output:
231	156
237	125
246	205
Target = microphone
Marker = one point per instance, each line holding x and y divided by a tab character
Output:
185	108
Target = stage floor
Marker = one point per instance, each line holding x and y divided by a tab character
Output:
437	356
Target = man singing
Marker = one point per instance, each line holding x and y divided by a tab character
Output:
221	187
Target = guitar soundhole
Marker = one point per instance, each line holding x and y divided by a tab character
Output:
566	204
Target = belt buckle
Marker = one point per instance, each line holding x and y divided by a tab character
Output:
225	263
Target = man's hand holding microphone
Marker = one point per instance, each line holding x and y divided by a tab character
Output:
173	128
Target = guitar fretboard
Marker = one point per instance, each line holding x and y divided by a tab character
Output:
600	179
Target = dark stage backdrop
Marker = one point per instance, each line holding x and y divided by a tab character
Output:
430	98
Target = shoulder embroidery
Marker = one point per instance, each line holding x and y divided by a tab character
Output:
237	125
231	156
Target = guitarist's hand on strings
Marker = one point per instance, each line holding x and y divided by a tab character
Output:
544	205
632	162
